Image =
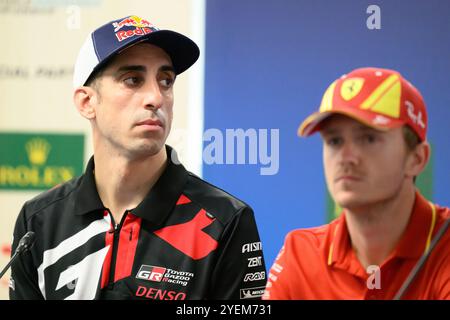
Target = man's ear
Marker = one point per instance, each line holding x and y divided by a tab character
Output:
85	99
418	159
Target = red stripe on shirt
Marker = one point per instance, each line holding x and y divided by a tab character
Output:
189	238
183	200
128	239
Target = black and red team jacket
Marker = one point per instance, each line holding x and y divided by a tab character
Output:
186	240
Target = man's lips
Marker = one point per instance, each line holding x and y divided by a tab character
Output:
347	178
150	122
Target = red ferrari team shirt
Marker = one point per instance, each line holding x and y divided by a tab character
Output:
319	263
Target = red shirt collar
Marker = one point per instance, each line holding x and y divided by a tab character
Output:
412	244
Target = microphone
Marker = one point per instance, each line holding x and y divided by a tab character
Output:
24	244
415	270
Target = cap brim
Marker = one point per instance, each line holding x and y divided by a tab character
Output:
312	123
182	50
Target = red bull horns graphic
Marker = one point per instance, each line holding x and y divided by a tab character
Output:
142	27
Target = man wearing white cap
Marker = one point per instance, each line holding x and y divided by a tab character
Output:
136	225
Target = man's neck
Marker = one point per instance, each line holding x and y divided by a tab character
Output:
123	183
376	229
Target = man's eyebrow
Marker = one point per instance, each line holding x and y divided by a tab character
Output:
167	68
364	128
141	68
329	131
127	68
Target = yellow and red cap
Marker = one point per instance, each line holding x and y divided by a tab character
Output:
379	98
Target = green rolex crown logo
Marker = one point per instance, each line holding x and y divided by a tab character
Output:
37	150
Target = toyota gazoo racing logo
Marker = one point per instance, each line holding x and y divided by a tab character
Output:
151	273
161	274
142	27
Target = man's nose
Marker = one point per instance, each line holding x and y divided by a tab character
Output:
153	98
350	153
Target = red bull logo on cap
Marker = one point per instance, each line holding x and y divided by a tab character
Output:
132	21
142	26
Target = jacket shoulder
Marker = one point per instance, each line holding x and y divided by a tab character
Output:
51	196
309	237
213	199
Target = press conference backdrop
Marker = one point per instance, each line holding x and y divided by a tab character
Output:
267	66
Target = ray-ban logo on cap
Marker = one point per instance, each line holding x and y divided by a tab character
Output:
415	117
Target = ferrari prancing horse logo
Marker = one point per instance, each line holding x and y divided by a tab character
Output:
351	87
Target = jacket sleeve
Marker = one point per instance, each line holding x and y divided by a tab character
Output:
24	279
281	284
240	271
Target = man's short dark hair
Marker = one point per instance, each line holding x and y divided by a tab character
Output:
411	138
92	80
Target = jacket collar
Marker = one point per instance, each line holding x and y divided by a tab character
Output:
156	205
412	244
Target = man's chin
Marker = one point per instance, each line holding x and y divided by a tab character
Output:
349	200
146	150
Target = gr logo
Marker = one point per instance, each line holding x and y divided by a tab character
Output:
151	273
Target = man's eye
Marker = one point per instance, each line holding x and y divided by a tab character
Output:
368	138
133	81
335	141
167	82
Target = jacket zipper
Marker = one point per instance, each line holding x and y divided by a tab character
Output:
116	238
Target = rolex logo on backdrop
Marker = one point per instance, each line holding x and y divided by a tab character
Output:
37	150
39	161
